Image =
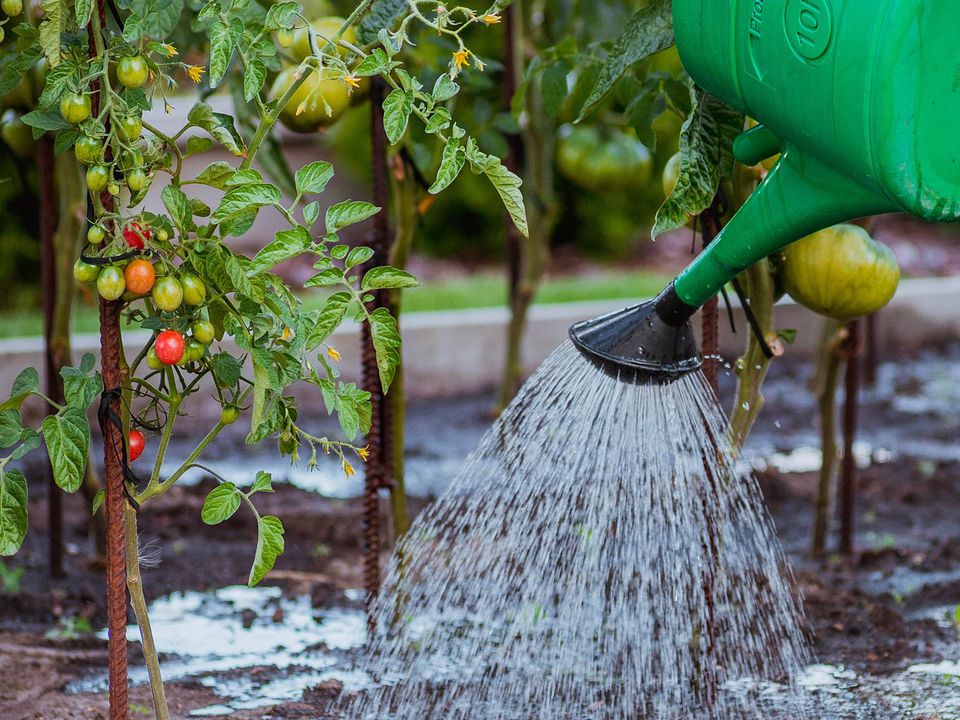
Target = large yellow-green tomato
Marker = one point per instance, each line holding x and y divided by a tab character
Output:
325	27
600	161
17	135
317	88
75	108
840	272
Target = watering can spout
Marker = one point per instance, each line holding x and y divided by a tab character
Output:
654	342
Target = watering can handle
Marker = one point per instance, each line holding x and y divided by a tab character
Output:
800	196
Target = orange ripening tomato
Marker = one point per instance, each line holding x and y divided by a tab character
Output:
140	276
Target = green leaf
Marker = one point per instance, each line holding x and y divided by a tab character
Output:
11	428
53	25
287	244
12	72
98	501
358	256
376	63
13	511
263	483
219	125
216	174
313	178
269	547
450	165
253	78
444	88
67	435
282	15
29	441
331	315
44	120
158	18
244	199
649	31
82	10
325	278
386	342
386	277
353	409
706	155
347	213
220	504
226	369
81	385
553	87
311	212
196	145
505	182
25	384
223	43
178	205
383	15
397	107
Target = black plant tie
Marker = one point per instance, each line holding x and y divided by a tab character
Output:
113	259
752	319
107	415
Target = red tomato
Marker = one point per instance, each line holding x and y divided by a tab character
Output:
140	276
135	234
137	444
170	347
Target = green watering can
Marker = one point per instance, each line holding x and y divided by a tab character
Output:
862	100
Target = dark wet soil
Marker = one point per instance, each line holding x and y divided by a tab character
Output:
877	611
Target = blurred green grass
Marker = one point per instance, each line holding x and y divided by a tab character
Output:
482	290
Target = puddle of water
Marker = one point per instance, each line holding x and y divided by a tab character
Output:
202	636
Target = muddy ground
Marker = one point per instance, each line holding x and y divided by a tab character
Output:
877	612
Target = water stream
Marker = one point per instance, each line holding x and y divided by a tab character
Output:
600	555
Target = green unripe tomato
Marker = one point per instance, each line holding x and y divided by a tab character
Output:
75	108
162	235
136	180
195	350
153	362
130	159
97	177
17	134
12	8
229	414
96	234
167	294
129	128
284	38
85	272
325	27
132	71
88	150
671	175
194	291
110	283
307	109
204	331
113	188
3	33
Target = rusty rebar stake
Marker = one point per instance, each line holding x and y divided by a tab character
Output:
113	477
377	473
51	371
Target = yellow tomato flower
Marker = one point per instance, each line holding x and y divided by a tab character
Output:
364	453
195	72
461	57
348	469
170	49
287	335
351	81
491	18
333	354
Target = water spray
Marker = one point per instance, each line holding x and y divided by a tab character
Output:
860	99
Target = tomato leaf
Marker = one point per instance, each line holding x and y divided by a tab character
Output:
219	125
82	10
450	165
67	435
226	369
444	88
397	107
253	78
282	15
220	504
358	256
13	511
81	385
353	409
11	428
287	244
269	547
386	277
649	31
706	155
385	335
313	178
223	43
347	213
216	174
178	205
25	384
329	319
263	483
505	182
245	198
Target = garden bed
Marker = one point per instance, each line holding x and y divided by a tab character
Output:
882	621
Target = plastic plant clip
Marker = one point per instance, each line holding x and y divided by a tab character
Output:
860	98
